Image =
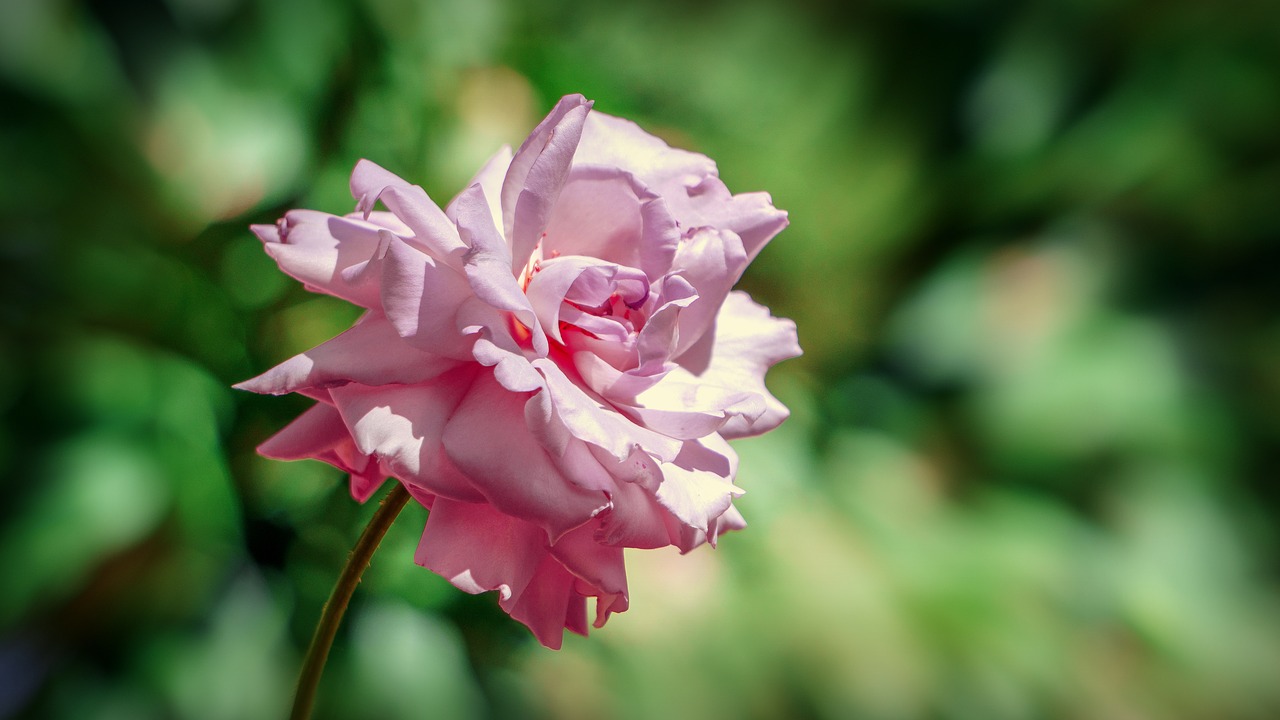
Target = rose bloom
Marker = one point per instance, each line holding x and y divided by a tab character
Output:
552	364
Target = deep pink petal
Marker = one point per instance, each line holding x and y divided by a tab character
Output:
487	438
599	567
537	173
370	353
548	604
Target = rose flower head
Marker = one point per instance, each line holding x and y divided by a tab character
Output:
552	364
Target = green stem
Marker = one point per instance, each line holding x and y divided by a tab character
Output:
331	616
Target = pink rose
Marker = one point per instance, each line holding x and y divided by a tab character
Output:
552	364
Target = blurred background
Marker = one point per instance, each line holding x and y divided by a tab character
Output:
1031	470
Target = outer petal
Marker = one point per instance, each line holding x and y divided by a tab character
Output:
478	548
600	569
747	342
317	248
537	173
403	426
320	434
370	353
489	178
488	440
549	604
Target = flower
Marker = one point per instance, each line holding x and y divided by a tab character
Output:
552	364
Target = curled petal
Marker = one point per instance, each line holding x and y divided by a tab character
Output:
487	264
536	175
711	260
432	230
697	486
317	248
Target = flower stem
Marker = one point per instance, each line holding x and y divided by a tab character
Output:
331	616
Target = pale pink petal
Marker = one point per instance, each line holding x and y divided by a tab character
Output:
432	231
487	438
691	410
593	421
403	426
614	142
537	173
697	487
606	213
317	247
421	299
487	263
748	341
370	353
712	261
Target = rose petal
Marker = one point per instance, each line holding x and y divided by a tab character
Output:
697	487
606	213
594	422
320	434
316	248
432	230
537	173
478	549
421	299
489	178
370	353
403	426
712	261
487	264
486	437
748	341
